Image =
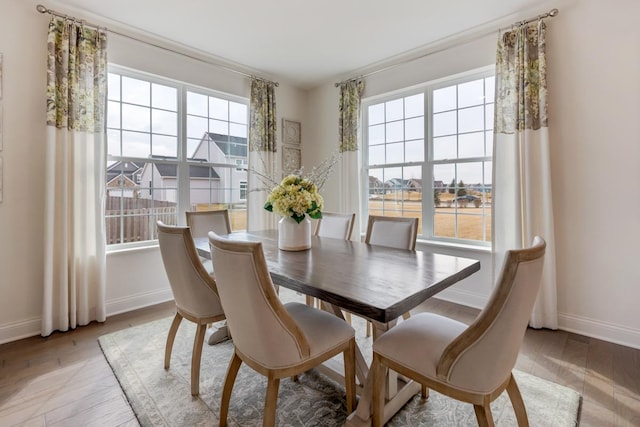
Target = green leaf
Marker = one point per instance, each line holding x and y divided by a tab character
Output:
315	214
298	218
268	206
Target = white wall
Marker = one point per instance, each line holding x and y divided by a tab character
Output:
134	278
594	70
594	87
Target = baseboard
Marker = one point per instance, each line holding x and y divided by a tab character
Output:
463	297
134	302
19	330
601	330
31	327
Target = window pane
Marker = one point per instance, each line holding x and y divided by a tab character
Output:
136	91
136	144
471	145
376	114
444	99
238	130
218	108
394	110
376	155
414	105
113	114
136	118
113	82
164	145
376	134
469	174
471	119
444	148
414	151
489	143
196	127
218	126
238	113
489	89
164	122
164	97
394	131
489	116
471	93
395	153
196	104
113	142
444	124
414	128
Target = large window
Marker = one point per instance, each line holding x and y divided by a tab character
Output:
171	148
428	154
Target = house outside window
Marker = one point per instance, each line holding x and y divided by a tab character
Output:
243	190
173	148
428	154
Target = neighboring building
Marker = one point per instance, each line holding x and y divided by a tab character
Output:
123	179
209	184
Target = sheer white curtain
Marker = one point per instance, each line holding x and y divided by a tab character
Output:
522	202
262	153
350	161
74	241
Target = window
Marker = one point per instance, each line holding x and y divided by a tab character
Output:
435	140
171	148
243	190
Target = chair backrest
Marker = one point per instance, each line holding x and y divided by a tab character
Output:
394	232
335	225
261	327
202	222
194	290
482	357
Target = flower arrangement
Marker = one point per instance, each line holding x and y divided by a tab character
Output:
298	194
294	197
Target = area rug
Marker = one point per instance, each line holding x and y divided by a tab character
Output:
162	397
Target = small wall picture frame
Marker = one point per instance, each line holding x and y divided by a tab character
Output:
290	132
291	159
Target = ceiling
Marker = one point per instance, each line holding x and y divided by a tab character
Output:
300	42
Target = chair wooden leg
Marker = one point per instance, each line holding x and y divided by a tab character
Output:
517	403
483	414
425	391
310	301
347	317
378	370
406	316
196	355
173	330
368	331
271	402
350	375
232	371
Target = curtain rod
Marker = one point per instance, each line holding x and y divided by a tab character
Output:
552	13
42	9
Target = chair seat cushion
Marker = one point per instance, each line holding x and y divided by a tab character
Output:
418	342
322	330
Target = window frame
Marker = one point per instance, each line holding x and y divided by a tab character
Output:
427	165
183	188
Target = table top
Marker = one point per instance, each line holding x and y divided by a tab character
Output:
376	282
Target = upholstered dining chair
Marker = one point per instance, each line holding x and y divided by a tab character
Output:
276	340
472	363
201	223
194	291
335	225
393	232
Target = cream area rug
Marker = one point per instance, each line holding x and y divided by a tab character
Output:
162	397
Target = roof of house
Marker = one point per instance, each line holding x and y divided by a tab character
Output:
195	171
233	146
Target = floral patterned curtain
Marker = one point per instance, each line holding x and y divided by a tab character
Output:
262	151
349	104
522	202
74	240
262	116
348	127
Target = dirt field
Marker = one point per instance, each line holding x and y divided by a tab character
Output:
470	219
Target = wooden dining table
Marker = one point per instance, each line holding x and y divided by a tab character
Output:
378	283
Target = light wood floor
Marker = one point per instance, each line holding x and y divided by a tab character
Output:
64	380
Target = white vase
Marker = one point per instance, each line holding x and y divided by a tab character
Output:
294	236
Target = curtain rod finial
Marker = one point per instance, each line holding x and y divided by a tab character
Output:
40	8
553	12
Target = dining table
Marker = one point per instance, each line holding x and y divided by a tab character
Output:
376	282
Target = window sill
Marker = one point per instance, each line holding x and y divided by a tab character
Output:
135	247
453	246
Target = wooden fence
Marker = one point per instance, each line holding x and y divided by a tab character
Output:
134	220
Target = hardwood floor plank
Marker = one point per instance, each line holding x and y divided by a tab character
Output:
64	380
